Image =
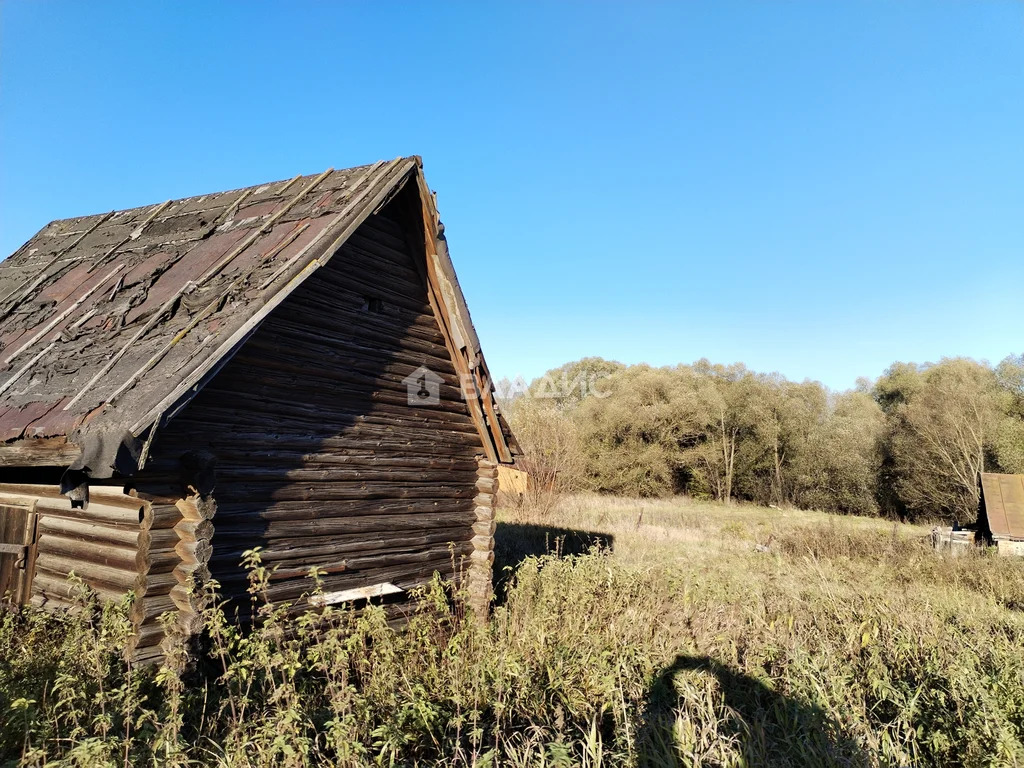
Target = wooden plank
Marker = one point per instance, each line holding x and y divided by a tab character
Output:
483	387
73	527
228	511
50	495
56	586
21	371
62	316
96	512
41	275
437	302
94	574
332	526
399	570
299	542
17	534
357	593
39	452
93	551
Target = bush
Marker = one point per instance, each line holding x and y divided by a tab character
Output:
822	652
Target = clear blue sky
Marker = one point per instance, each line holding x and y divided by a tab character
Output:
817	188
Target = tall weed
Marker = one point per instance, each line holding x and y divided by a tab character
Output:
834	647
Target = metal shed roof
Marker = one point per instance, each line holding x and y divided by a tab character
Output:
1003	503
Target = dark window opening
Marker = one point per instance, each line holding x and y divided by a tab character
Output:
373	304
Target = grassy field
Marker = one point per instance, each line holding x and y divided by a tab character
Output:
790	637
667	633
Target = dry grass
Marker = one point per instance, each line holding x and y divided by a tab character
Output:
854	619
701	635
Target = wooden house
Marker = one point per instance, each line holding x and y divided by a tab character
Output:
1001	512
289	366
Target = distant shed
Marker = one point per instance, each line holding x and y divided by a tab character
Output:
290	366
1001	514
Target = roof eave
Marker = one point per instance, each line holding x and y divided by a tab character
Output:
39	452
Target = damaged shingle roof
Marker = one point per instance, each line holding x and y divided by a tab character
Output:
107	321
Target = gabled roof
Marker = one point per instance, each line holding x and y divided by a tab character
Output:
110	323
1003	503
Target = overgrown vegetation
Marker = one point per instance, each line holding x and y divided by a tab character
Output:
910	445
701	635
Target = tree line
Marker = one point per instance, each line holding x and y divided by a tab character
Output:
908	445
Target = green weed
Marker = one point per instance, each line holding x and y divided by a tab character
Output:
804	641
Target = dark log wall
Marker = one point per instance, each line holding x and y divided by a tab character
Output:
318	455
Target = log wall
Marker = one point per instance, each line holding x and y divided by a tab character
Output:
175	547
309	448
100	543
480	586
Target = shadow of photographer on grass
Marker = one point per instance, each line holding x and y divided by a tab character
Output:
698	711
766	727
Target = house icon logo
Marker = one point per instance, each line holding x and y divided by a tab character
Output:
423	387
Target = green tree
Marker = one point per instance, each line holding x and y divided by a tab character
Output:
552	449
787	416
731	407
839	469
636	437
944	420
1009	443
